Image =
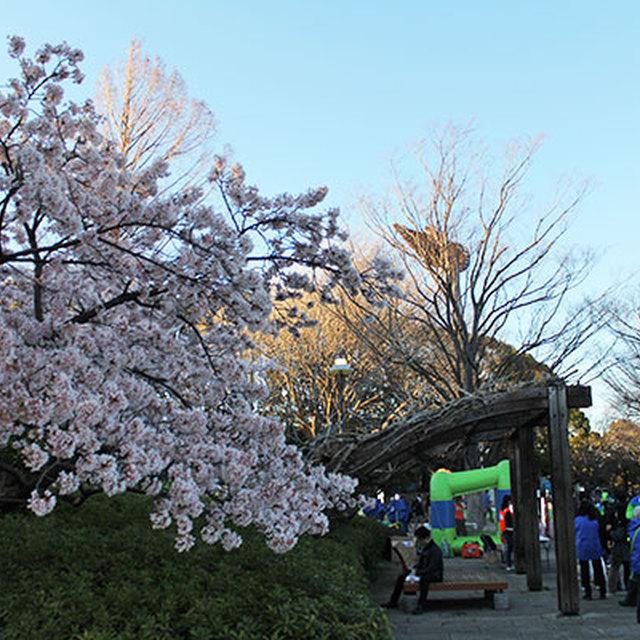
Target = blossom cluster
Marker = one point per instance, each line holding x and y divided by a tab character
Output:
125	316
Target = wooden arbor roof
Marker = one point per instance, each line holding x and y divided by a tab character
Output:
378	456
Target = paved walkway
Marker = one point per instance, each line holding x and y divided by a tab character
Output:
532	614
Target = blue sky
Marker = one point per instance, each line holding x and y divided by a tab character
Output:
323	93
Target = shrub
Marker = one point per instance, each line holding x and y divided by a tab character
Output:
100	572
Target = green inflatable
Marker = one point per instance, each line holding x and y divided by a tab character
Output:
446	485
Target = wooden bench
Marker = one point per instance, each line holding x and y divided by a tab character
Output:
460	579
489	584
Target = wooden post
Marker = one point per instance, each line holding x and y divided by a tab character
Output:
518	557
520	560
565	537
527	527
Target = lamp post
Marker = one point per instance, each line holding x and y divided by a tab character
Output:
340	369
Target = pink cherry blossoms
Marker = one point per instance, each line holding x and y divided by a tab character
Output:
125	318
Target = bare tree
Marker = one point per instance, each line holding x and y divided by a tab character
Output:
623	375
149	114
487	280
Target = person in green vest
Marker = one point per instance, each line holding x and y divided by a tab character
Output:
632	592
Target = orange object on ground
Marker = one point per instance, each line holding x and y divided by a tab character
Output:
471	550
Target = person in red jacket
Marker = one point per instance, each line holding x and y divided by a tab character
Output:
507	530
461	527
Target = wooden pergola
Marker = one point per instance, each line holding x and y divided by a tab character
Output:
514	414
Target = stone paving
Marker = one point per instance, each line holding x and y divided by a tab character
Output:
531	614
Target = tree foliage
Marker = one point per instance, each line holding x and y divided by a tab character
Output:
586	451
126	316
609	460
621	444
320	407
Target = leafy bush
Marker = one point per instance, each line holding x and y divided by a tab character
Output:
100	572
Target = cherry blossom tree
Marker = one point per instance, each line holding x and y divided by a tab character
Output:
125	319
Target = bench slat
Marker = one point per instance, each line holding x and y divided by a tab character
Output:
465	585
470	586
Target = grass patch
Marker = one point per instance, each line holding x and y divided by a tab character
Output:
99	573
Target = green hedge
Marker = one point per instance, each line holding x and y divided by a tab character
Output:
99	572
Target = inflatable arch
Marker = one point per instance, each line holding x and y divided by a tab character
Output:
446	485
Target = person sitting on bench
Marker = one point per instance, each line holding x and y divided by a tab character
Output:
429	567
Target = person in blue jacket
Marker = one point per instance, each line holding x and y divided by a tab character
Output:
399	511
634	537
589	548
376	510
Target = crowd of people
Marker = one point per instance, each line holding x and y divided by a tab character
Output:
398	512
607	542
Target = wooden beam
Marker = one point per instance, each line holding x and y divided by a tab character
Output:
565	539
578	397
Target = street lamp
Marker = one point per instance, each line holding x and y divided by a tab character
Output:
340	369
